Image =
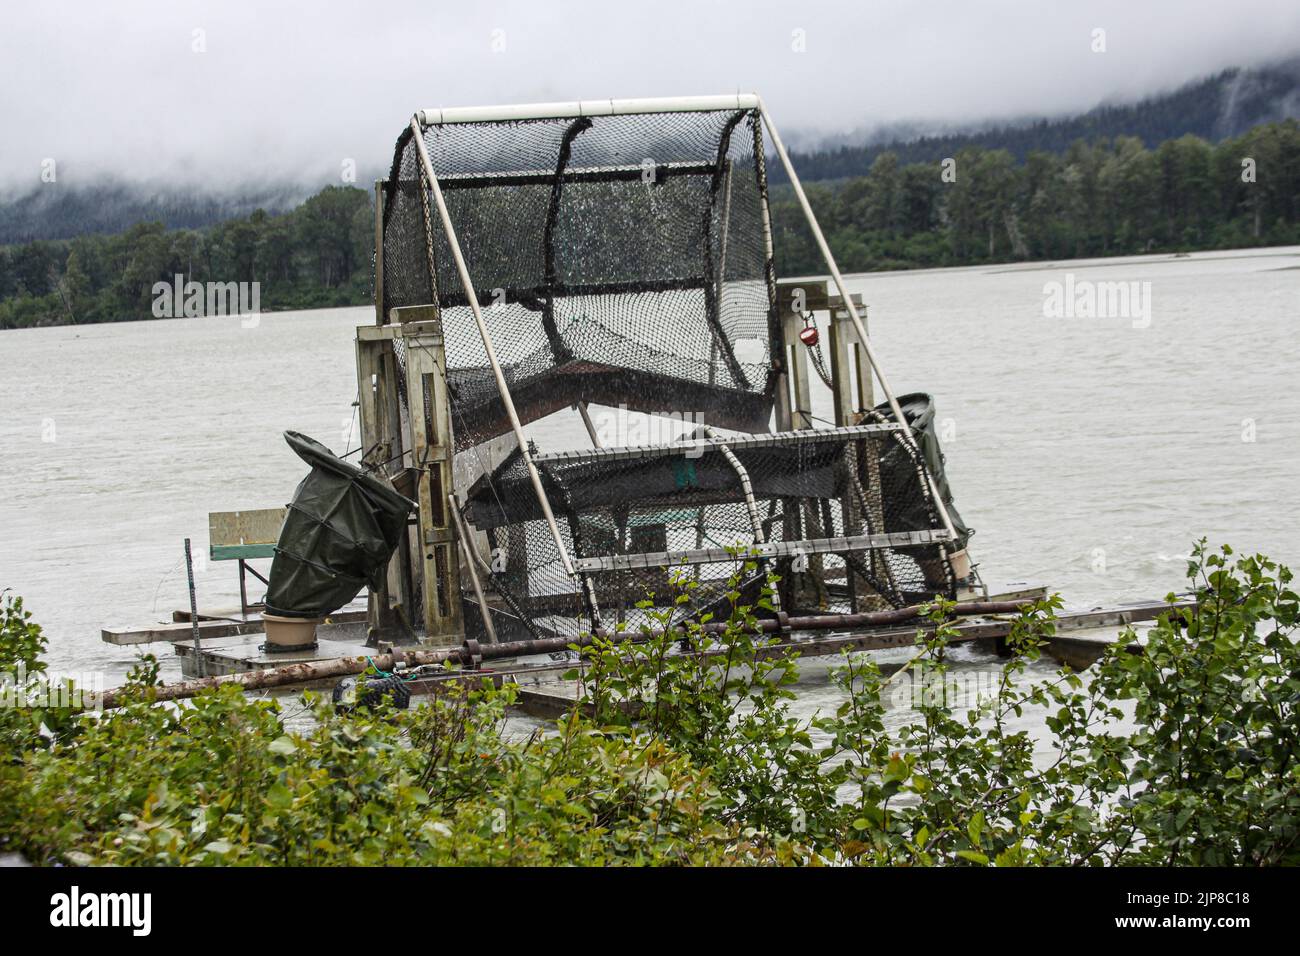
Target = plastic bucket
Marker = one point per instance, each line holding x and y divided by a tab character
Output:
290	631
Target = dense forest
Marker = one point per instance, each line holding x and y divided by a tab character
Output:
1099	197
315	256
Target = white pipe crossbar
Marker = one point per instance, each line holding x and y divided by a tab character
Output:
576	108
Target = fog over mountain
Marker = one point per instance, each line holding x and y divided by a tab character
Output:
1214	108
189	110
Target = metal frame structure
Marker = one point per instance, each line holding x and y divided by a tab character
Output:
431	459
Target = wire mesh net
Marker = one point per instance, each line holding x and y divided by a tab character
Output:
842	516
626	261
618	259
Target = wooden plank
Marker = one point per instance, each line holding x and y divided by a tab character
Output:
182	615
177	631
354	610
1033	592
375	453
412	314
431	449
815	293
793	404
798	373
822	645
241	529
1119	616
207	628
236	656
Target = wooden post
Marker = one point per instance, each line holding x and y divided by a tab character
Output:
850	373
466	546
377	442
852	395
431	450
194	608
793	394
794	299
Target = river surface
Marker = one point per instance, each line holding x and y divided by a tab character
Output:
1087	452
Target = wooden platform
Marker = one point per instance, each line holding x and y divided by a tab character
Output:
213	624
233	653
1082	635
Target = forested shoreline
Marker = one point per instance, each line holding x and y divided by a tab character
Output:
1101	197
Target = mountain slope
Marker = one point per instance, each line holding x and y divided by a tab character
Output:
1215	108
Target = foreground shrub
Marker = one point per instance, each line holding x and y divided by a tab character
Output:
682	749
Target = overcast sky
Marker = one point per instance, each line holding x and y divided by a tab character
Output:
269	90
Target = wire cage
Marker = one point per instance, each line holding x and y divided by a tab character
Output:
619	259
826	510
623	257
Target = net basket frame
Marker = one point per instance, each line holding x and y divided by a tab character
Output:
582	571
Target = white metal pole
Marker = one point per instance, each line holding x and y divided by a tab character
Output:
848	304
576	108
466	545
472	296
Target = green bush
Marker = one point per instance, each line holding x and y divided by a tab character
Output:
1181	754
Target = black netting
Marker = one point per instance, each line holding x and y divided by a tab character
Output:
642	504
626	261
618	260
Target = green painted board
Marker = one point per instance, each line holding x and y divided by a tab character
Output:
244	534
230	552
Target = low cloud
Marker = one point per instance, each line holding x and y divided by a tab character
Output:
216	94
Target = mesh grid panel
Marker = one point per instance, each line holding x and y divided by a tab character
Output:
619	260
815	488
626	261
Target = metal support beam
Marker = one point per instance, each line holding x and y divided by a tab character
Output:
626	107
776	549
589	424
746	486
695	447
466	546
